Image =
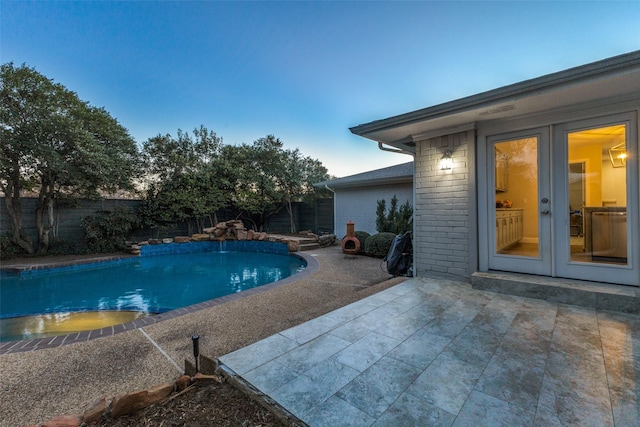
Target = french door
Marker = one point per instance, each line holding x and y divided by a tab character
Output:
562	200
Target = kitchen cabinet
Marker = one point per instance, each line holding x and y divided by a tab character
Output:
509	228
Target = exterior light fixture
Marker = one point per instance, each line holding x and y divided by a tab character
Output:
618	155
446	161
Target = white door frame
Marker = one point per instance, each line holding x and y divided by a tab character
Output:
559	230
624	274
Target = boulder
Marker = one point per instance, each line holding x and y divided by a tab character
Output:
199	237
250	234
129	403
64	421
94	411
241	234
182	239
209	230
294	245
183	382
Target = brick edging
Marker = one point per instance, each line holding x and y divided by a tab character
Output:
9	347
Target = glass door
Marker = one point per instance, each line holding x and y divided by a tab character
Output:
521	206
597	212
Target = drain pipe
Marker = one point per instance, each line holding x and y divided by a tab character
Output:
413	155
334	208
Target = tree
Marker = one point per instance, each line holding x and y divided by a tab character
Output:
397	220
183	178
56	145
270	178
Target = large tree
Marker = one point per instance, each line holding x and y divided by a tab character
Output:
270	178
56	145
183	179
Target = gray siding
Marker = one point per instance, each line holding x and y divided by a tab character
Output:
358	204
442	217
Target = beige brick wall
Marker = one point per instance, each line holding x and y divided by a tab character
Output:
441	241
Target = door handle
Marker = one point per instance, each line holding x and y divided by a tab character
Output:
544	211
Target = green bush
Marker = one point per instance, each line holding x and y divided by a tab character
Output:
362	237
378	245
8	249
106	231
397	220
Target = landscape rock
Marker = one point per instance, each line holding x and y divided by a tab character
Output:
129	403
241	234
250	234
183	382
294	245
94	411
64	421
200	237
182	239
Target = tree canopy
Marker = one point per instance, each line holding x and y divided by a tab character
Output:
194	177
56	145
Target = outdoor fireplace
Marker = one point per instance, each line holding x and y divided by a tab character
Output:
350	243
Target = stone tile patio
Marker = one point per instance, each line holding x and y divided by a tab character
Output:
437	352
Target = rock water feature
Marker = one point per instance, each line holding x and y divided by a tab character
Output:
235	230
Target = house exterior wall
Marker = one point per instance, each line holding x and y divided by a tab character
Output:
443	215
358	204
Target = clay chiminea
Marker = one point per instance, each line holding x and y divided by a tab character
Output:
350	244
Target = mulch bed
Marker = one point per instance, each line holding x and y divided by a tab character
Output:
204	404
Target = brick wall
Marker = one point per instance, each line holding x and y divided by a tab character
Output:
441	214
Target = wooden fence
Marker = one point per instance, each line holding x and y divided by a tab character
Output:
317	217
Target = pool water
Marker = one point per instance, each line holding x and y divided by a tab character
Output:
142	285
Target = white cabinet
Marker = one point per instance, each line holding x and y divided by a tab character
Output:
508	228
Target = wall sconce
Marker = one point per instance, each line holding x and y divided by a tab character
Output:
617	155
446	161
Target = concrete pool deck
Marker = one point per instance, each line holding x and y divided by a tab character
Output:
345	342
38	385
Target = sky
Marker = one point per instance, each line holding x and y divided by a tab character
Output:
303	71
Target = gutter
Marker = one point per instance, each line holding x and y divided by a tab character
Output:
335	210
395	150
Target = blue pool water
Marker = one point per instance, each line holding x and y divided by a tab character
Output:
151	284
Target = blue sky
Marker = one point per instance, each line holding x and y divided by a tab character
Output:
302	71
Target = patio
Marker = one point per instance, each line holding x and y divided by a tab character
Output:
437	352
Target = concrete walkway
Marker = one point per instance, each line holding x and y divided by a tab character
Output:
432	352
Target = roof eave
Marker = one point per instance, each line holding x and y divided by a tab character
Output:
522	89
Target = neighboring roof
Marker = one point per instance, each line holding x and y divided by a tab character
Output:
390	175
616	78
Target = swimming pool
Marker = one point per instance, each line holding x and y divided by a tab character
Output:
146	284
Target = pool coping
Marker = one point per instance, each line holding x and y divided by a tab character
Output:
76	337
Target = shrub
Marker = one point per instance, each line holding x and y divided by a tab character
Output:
106	231
8	249
378	245
362	237
398	220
